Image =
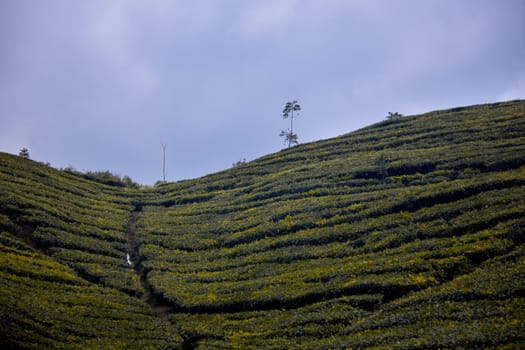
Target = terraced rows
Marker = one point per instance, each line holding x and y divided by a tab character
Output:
407	234
294	249
64	279
75	221
46	305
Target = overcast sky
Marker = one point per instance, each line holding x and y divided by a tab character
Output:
98	85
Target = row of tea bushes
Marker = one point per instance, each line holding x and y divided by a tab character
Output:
78	222
46	305
296	249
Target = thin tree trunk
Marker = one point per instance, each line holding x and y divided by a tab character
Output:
163	161
291	131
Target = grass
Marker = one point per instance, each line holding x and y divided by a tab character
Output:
407	234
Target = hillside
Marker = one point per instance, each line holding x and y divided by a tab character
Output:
407	234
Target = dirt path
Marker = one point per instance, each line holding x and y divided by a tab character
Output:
131	231
161	306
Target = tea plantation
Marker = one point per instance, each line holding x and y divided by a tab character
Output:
407	234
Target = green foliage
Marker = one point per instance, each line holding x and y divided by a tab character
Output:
394	115
290	137
105	177
24	153
65	281
407	234
45	304
239	163
315	246
382	164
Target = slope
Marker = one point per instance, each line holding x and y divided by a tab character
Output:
405	234
65	281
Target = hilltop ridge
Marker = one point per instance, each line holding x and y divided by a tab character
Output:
404	234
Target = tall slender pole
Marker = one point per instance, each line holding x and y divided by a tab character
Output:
291	122
164	145
291	129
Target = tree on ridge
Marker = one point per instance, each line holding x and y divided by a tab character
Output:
24	153
288	112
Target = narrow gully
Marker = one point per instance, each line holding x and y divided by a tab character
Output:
161	306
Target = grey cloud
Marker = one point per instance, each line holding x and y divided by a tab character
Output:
98	85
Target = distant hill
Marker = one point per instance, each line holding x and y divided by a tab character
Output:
407	234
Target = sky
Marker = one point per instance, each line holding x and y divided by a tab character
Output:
99	85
